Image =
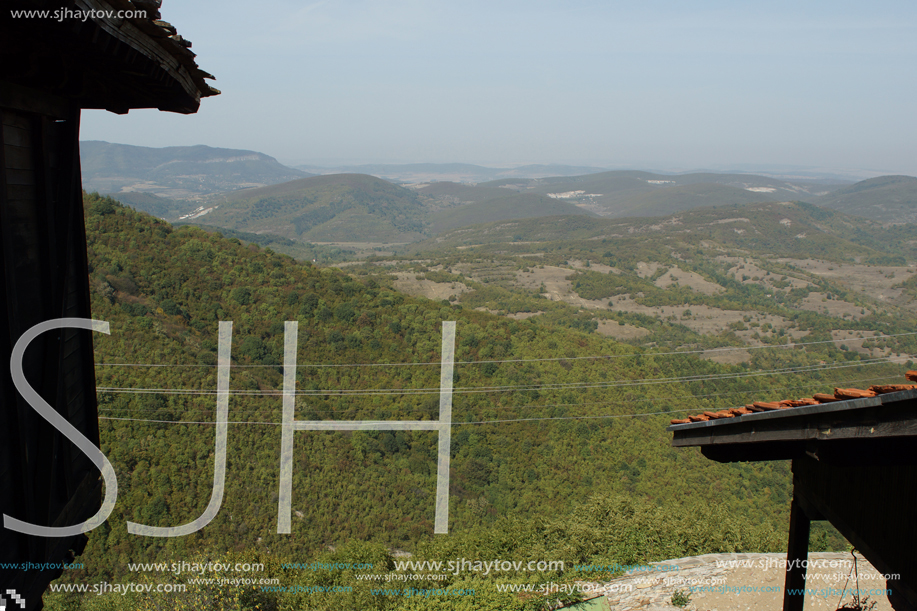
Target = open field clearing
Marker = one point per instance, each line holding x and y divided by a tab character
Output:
407	282
554	280
747	272
364	249
511	315
728	357
694	281
594	267
645	270
613	329
874	281
819	302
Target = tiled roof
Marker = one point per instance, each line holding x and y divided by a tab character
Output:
840	394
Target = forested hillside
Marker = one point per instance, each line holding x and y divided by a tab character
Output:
338	207
889	199
552	424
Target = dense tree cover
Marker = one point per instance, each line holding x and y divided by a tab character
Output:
539	423
337	207
605	530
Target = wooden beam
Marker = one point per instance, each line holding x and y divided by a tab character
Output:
754	452
882	452
797	553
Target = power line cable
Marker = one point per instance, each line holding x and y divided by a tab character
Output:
541	360
454	423
509	388
540	406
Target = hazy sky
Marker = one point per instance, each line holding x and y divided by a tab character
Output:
654	85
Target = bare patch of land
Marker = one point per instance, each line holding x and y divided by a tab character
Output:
407	282
874	281
594	267
747	272
611	328
645	270
362	250
727	357
819	302
553	278
692	280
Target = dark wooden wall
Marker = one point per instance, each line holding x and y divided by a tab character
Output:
873	506
44	478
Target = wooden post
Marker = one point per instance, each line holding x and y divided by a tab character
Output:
797	552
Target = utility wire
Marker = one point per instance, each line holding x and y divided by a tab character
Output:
456	423
508	388
426	410
541	360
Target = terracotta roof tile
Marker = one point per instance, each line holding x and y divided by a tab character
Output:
852	393
840	394
881	389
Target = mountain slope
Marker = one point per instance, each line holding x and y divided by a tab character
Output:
336	207
510	206
889	199
772	229
516	439
452	193
635	193
176	171
662	202
162	207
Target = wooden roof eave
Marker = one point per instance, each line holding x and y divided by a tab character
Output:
886	424
176	61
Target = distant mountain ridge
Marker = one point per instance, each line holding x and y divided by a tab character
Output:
621	193
364	208
414	173
185	183
177	172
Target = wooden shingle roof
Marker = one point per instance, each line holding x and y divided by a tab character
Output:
111	60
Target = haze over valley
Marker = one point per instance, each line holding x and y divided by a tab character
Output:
727	259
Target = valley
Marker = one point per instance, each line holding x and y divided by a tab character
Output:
579	336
